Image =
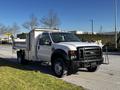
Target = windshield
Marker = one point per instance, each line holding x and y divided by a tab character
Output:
64	37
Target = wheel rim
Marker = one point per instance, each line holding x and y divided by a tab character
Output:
58	68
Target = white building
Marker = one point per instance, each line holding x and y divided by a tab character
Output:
81	32
2	37
90	33
5	38
77	32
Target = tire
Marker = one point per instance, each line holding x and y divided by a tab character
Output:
92	69
72	69
21	57
59	68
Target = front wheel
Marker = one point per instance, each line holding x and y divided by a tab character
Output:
92	69
59	67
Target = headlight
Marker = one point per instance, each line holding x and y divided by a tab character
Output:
72	54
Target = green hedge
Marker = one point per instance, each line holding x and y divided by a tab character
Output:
105	38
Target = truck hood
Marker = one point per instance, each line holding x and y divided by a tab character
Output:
74	45
78	44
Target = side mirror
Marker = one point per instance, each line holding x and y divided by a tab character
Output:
48	43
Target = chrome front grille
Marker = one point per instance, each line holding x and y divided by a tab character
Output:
89	53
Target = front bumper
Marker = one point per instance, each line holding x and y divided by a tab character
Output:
86	63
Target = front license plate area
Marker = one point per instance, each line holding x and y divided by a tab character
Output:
93	64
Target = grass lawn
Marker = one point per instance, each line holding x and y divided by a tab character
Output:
14	77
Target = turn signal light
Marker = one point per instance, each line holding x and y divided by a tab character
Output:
72	53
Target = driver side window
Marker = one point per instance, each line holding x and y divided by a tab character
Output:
45	39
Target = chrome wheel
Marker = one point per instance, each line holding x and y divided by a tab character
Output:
58	68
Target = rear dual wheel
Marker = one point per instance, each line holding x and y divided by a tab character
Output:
21	57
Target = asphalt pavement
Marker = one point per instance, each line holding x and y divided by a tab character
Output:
107	77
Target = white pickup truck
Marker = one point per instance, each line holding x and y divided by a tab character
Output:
63	50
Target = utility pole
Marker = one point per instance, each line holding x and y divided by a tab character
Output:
101	28
115	17
92	25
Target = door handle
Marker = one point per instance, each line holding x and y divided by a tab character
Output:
38	47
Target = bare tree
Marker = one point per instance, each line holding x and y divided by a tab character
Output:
14	29
3	29
51	21
32	23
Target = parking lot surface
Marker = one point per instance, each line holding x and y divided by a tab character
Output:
107	77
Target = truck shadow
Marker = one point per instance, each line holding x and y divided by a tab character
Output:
32	66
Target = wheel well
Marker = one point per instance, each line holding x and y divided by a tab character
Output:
59	54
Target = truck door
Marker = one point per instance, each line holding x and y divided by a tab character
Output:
44	47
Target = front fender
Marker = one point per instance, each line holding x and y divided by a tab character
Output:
59	53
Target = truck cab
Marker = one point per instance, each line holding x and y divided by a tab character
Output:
63	50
